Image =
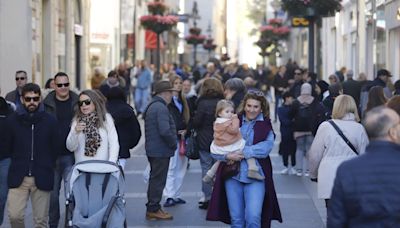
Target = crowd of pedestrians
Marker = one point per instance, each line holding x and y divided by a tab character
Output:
228	107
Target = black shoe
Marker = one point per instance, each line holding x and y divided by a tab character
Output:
169	202
204	205
179	201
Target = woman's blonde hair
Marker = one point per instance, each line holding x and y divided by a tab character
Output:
223	104
344	104
99	101
186	111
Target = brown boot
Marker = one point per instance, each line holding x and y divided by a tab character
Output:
158	215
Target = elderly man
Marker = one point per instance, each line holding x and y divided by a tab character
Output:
160	145
367	189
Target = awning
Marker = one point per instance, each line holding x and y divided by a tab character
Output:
151	40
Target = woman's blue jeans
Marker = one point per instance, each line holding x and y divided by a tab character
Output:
245	202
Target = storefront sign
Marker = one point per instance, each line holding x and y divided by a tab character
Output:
300	22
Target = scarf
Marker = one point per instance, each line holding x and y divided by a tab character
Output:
93	139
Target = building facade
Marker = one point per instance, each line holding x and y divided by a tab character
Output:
44	37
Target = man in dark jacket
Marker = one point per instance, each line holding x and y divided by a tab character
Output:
5	160
366	189
382	77
160	145
31	133
21	79
60	103
352	87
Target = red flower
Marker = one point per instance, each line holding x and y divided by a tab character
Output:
266	28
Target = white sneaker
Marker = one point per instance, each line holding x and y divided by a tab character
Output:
202	199
292	171
306	173
299	173
285	171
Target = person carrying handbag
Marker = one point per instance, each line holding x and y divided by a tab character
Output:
336	141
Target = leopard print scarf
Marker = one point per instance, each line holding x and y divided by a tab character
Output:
93	139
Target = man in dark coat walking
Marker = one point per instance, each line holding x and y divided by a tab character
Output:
367	189
31	133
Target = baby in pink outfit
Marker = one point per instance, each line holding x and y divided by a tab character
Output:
227	139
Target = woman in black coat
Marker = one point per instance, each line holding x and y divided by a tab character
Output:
126	123
211	92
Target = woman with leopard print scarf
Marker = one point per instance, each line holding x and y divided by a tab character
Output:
93	135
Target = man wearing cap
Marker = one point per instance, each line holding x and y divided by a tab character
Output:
160	145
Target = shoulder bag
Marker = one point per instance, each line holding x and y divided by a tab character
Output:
343	136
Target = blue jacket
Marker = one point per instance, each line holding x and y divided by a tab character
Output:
144	79
30	140
366	192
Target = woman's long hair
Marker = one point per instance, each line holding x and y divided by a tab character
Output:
99	103
182	98
376	98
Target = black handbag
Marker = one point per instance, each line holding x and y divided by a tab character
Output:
192	149
230	170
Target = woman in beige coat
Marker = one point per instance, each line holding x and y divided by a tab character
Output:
329	150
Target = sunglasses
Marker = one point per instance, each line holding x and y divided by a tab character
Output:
59	85
86	102
29	99
20	78
256	92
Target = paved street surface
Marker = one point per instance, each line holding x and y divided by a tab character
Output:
297	198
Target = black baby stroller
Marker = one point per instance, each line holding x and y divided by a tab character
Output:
94	193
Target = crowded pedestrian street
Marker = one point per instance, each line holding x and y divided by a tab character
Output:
297	197
199	113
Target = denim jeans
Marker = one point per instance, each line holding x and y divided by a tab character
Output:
206	162
245	202
4	166
142	97
303	146
63	167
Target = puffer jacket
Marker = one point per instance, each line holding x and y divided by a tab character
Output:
160	130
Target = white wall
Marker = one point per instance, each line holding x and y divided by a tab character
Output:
15	42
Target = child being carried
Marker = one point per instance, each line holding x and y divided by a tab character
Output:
227	139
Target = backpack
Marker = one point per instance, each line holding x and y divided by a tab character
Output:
304	117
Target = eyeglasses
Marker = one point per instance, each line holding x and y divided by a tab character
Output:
59	85
20	78
256	92
86	102
29	99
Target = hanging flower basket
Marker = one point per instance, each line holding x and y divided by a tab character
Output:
275	22
195	31
157	7
263	43
158	23
195	39
209	45
324	8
